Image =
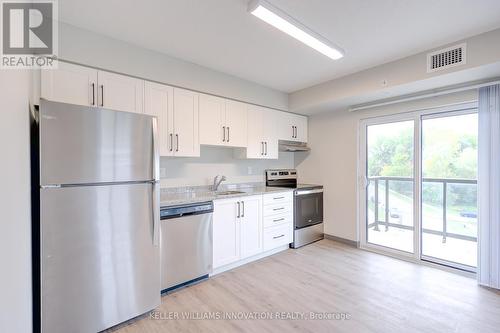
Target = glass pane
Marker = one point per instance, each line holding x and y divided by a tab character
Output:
432	206
390	189
449	189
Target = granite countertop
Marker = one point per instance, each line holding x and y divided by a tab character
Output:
186	195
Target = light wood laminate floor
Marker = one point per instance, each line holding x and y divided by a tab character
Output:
380	294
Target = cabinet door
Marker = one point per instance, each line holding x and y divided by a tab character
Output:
226	233
251	226
255	147
269	133
212	119
120	92
70	83
301	128
236	124
159	102
186	125
285	125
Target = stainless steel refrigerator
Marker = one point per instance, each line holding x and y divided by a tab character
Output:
97	212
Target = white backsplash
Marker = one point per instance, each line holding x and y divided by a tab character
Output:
195	171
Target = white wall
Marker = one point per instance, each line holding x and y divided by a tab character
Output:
333	138
15	224
184	171
403	76
88	48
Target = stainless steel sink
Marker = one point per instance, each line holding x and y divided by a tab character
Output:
228	192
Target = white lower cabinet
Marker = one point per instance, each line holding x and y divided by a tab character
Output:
237	229
277	236
278	219
226	233
243	230
251	226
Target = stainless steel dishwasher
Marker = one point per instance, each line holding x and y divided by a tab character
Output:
186	244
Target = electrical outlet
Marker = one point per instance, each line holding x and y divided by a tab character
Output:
250	170
163	173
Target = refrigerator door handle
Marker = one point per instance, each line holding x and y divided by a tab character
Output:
156	184
156	214
156	154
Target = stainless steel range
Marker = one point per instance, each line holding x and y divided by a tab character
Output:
307	208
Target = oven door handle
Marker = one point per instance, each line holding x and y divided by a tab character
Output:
297	193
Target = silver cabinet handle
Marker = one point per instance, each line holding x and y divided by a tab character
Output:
276	237
281	208
293	131
243	209
223	133
93	93
238	216
102	94
277	198
177	139
171	142
228	134
277	220
265	143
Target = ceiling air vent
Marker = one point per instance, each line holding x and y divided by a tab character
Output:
446	58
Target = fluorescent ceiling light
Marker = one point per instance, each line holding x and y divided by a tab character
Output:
282	21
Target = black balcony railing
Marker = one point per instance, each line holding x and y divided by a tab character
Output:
386	181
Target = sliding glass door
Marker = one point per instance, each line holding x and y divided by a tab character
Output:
390	190
449	189
418	185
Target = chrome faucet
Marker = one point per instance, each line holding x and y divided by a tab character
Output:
217	181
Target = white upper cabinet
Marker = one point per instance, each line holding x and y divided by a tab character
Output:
262	137
120	92
236	124
222	122
186	123
177	114
86	86
70	84
212	120
159	102
270	128
292	127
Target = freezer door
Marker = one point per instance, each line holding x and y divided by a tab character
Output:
81	145
99	264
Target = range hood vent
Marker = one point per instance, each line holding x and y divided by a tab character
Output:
292	146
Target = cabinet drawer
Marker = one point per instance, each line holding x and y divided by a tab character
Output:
279	208
277	236
271	221
275	198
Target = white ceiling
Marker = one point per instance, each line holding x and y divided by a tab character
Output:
221	35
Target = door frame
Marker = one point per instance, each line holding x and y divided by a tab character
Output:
416	116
